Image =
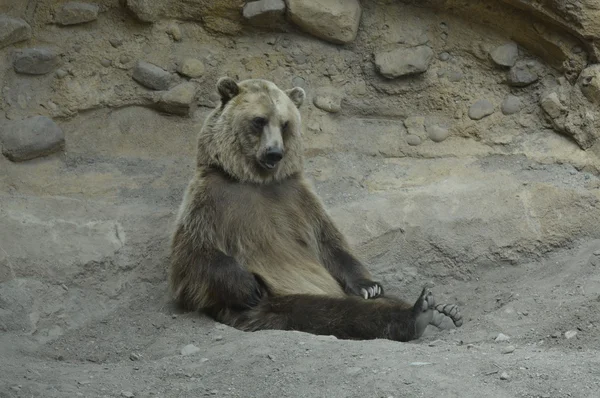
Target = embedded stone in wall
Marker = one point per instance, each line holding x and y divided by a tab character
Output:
554	109
437	133
179	99
264	11
31	138
145	10
191	67
481	109
35	61
403	61
75	12
13	30
522	74
151	76
589	83
505	55
328	102
511	104
336	21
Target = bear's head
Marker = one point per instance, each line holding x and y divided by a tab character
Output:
255	133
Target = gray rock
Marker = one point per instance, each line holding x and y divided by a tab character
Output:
437	133
127	394
13	30
481	109
61	73
554	108
298	81
505	55
504	376
501	337
508	349
328	102
413	140
189	349
263	9
444	56
191	67
151	76
521	75
570	334
589	83
511	104
179	99
35	61
403	61
74	12
105	62
145	10
31	138
332	20
454	76
116	42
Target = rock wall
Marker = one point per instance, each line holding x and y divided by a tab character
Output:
443	135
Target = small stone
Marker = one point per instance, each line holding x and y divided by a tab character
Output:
116	42
597	253
444	56
191	67
505	55
420	363
73	13
413	140
504	376
570	334
510	105
521	75
437	133
336	21
435	343
124	59
271	357
105	62
135	356
127	394
328	102
151	76
403	61
509	349
36	61
189	349
501	337
553	107
179	99
263	9
454	76
480	109
174	31
218	338
555	335
13	30
31	138
61	73
83	382
353	370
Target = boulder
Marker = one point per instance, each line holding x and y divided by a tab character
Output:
403	61
31	138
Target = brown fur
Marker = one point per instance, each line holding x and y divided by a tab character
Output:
255	248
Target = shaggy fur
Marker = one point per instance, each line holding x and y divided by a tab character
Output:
253	245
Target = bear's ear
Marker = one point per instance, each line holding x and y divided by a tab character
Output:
297	95
227	88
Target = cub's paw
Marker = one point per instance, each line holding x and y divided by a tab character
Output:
367	289
423	311
247	294
451	311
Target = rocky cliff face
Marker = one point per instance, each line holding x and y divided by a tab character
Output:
446	137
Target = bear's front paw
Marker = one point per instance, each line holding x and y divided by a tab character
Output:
367	289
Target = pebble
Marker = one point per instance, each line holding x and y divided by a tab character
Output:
174	31
191	67
189	349
151	76
444	56
135	356
570	334
116	42
123	59
298	81
501	337
420	363
74	12
413	140
179	99
218	338
31	138
353	370
521	75
263	8
480	109
437	133
552	106
105	62
509	349
36	61
61	73
435	343
13	30
329	102
454	76
511	104
403	61
127	394
505	55
504	376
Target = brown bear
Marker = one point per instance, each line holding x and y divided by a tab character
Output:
254	247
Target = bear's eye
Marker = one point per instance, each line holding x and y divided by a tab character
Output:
285	126
259	122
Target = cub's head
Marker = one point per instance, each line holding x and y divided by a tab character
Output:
255	133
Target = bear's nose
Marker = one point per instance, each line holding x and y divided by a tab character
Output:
273	155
